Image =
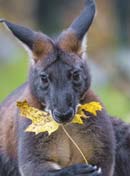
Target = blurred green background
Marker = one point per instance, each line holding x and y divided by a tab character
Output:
108	46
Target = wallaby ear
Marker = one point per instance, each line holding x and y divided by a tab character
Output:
37	42
71	39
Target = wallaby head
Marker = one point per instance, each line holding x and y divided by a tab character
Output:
59	75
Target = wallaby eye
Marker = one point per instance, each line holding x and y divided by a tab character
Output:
76	76
44	78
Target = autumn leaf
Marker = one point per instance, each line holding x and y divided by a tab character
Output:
42	121
37	128
91	107
32	113
77	119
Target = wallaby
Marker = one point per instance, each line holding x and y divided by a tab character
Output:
59	80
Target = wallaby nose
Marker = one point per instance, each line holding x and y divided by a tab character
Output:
63	117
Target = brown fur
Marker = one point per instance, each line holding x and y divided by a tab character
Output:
69	42
42	46
8	126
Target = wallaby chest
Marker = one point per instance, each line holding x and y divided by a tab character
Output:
64	152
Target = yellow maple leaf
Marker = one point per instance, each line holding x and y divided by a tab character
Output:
37	128
91	107
42	121
77	119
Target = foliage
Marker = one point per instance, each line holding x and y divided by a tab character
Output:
42	121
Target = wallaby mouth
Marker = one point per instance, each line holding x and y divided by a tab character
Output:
64	117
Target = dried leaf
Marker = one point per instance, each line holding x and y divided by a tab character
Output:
78	119
91	107
50	127
42	121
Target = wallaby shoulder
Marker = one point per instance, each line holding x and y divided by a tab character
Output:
122	135
8	120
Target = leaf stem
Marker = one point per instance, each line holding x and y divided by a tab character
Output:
75	144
